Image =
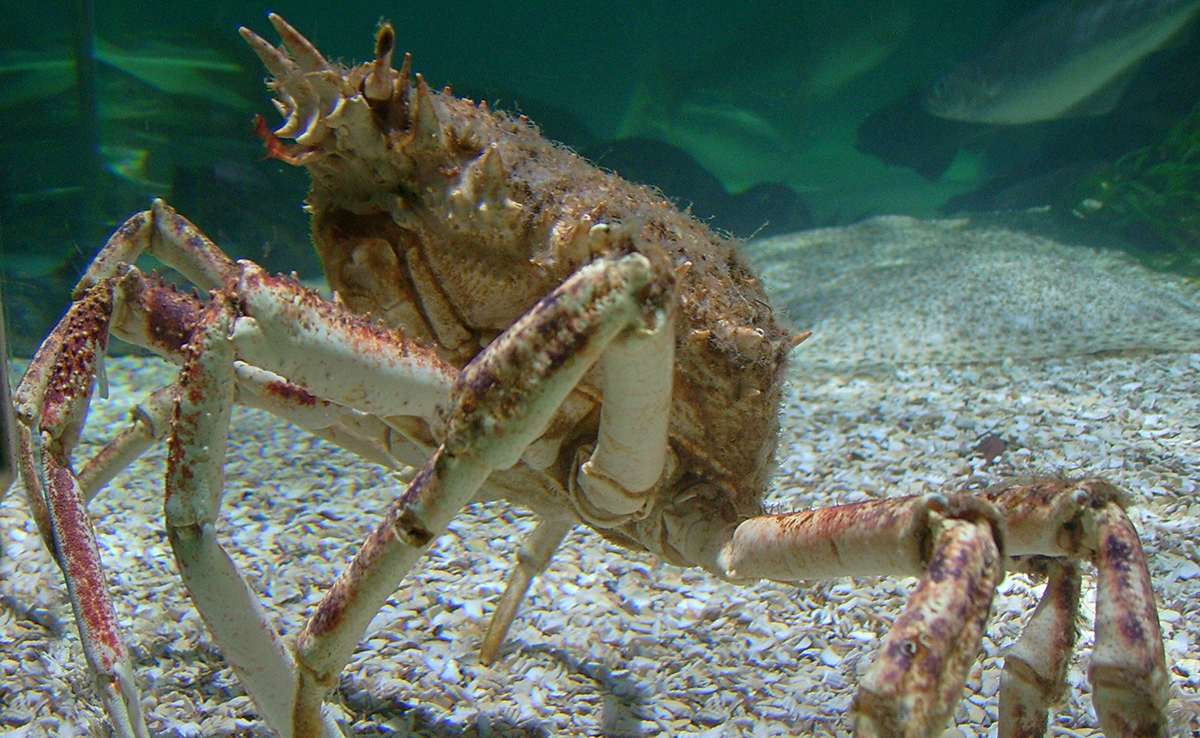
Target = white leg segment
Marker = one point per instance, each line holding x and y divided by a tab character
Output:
1035	667
631	446
532	559
346	359
195	482
503	401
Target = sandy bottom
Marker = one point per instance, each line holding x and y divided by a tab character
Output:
610	643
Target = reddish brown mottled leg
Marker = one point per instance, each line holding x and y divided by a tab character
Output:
1128	669
917	679
1085	520
194	487
64	372
502	401
952	544
1035	668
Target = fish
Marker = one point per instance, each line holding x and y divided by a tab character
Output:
736	144
174	69
793	55
763	209
741	105
1064	59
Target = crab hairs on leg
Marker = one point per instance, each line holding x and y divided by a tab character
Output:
502	401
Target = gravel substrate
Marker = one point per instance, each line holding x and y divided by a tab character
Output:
894	289
611	643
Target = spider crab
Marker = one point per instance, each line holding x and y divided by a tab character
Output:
514	322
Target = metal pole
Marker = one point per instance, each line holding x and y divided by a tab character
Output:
8	441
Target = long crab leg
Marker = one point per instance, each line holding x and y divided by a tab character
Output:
160	318
919	675
160	232
612	480
195	482
950	543
51	423
151	421
168	236
611	485
1086	521
1035	667
532	560
502	402
52	403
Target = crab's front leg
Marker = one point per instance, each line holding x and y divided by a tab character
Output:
51	405
51	425
1072	522
280	328
502	402
952	544
195	481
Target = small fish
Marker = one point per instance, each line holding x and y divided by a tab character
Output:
1065	59
174	69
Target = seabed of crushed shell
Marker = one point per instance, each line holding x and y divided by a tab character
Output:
612	643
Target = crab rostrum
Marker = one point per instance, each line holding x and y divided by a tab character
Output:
516	323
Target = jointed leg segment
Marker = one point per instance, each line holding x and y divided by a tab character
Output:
267	342
503	401
954	545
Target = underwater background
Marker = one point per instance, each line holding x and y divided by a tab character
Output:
920	183
766	117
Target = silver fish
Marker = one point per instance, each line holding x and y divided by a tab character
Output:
1067	58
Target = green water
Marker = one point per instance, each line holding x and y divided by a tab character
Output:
764	116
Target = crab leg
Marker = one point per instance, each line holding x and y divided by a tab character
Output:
52	403
532	560
160	232
332	353
363	435
918	677
1128	668
1085	520
65	369
151	421
502	402
1035	668
951	543
412	380
168	236
195	482
611	486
